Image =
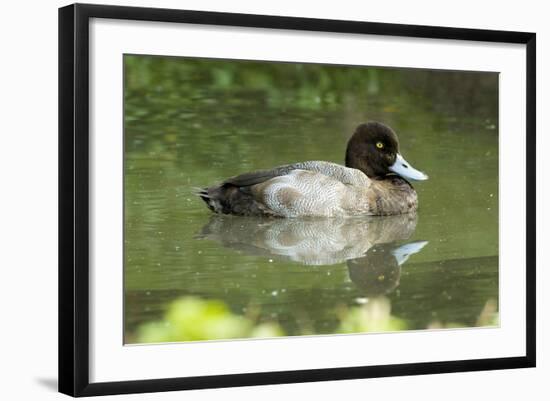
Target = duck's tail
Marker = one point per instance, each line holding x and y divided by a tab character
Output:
202	192
229	199
208	195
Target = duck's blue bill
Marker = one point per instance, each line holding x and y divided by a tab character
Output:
405	170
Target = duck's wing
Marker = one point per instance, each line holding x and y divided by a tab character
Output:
345	175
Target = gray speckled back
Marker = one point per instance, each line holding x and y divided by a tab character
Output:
343	174
315	189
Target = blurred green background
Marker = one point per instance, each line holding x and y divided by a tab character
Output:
193	122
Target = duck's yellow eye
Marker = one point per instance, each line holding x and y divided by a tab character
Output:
379	145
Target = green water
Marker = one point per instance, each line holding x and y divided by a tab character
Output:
191	123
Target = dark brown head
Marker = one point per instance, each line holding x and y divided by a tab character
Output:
374	149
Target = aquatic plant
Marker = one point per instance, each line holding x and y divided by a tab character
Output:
374	316
194	319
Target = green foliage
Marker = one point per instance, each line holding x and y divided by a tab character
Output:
193	319
489	316
375	316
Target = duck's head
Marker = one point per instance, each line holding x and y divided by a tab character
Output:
374	149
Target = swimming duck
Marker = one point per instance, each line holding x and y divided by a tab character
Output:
373	182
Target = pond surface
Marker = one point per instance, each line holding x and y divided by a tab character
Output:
190	123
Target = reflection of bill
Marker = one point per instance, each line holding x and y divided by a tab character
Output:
367	244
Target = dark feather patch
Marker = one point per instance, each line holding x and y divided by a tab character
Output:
234	195
257	177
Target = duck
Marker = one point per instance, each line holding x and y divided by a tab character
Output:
373	182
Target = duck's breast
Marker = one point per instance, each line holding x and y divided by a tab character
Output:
391	196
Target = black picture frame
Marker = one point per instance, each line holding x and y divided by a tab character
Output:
74	198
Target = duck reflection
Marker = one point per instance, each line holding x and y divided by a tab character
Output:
372	247
379	271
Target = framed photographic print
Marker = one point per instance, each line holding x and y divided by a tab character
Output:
250	199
